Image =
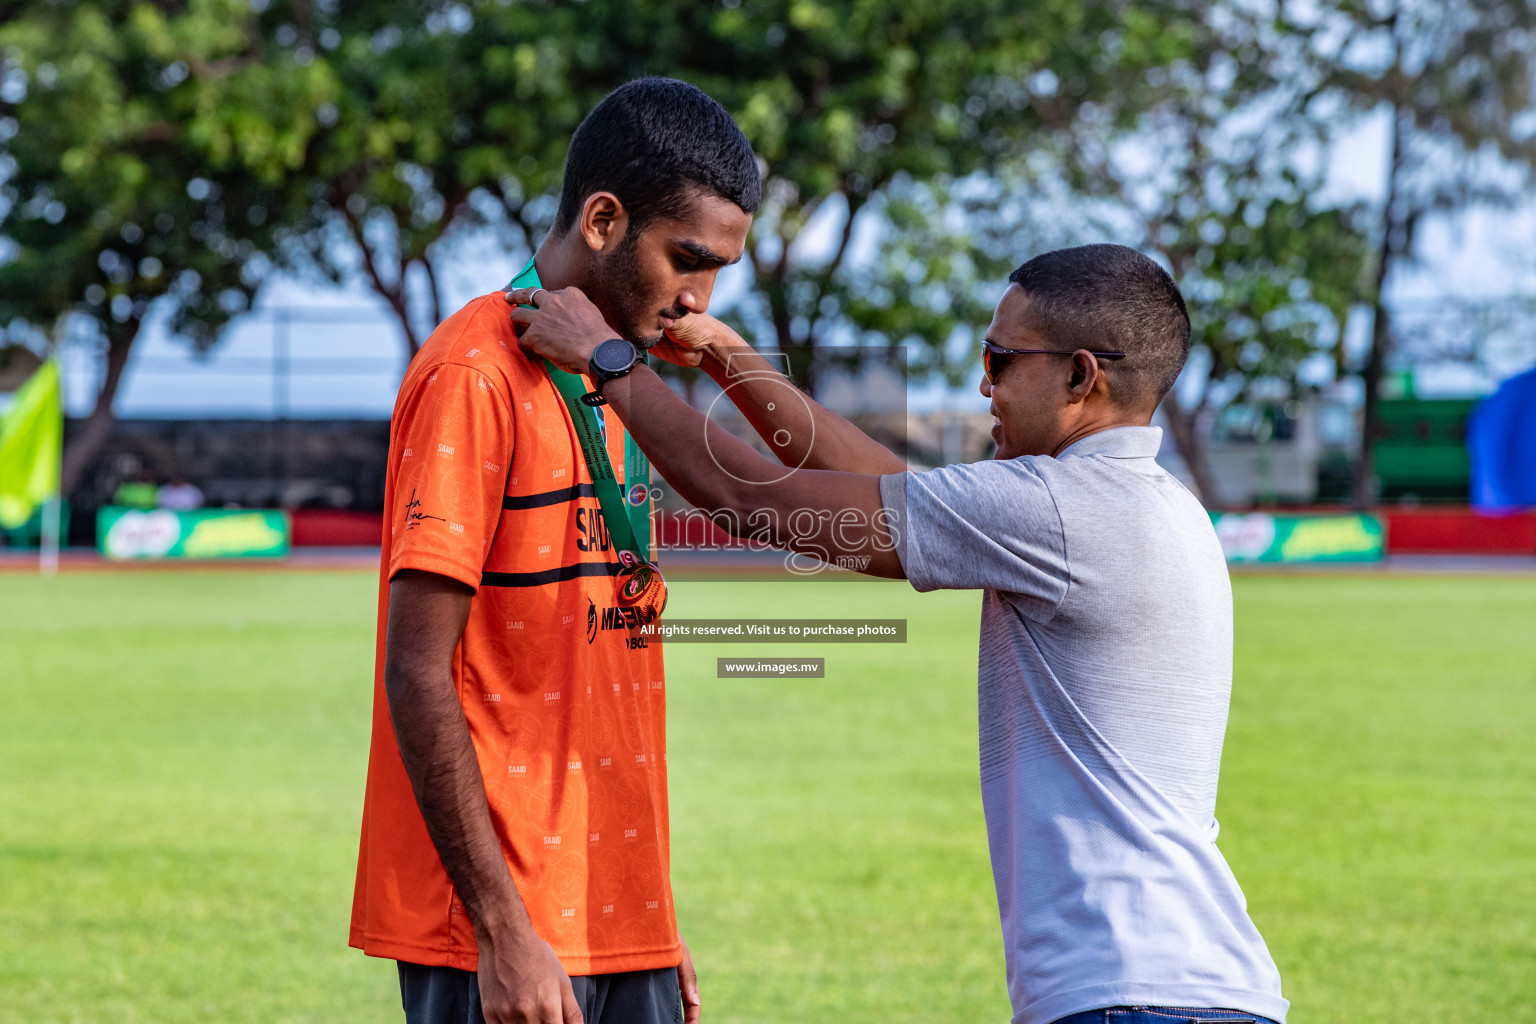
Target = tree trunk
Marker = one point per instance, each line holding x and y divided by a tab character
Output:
436	292
403	315
1363	491
97	427
1186	437
1183	423
395	296
797	356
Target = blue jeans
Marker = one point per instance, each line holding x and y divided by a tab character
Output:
1161	1015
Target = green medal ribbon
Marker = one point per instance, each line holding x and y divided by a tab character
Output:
628	520
637	472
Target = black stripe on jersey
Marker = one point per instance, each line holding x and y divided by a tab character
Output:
538	579
512	502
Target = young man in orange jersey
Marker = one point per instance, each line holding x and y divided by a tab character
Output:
514	854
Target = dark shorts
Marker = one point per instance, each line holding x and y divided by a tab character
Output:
445	995
1161	1015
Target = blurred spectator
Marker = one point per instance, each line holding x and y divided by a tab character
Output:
180	495
138	491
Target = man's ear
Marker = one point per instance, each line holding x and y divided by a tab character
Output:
603	221
1086	374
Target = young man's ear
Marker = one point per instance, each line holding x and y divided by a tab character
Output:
603	221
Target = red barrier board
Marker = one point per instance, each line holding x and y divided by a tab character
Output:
1459	531
336	528
1409	532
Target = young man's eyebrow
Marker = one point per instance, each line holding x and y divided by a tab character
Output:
704	253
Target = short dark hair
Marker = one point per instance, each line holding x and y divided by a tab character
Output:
656	143
1110	297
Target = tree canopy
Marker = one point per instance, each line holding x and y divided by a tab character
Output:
857	108
1453	83
1218	172
111	204
168	156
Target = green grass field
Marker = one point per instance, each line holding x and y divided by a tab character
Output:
182	756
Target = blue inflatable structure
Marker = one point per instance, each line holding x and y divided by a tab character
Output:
1501	443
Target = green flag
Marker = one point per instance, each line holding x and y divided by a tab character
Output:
31	440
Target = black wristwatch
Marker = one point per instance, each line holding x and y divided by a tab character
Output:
612	359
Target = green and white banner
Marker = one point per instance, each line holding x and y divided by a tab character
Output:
204	533
1269	537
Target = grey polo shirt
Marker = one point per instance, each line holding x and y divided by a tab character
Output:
1105	672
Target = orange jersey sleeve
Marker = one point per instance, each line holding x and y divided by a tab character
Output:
454	444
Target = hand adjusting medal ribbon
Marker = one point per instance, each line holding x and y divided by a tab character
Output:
638	583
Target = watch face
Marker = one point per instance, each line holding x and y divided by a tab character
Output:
614	356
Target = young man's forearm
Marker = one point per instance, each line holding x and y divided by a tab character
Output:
445	774
828	514
825	514
439	755
798	429
712	469
519	976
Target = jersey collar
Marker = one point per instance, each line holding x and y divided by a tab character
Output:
1119	443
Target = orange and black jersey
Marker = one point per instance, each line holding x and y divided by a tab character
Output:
566	704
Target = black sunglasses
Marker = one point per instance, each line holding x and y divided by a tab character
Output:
991	357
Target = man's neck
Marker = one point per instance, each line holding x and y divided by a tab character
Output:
562	262
1099	426
558	264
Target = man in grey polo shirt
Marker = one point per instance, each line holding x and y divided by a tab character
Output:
1106	632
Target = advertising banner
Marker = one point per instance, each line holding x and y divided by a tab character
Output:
1270	537
204	533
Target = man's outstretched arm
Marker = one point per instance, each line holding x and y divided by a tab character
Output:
799	430
834	516
521	980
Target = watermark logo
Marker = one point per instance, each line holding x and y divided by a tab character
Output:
761	403
777	631
770	668
820	539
